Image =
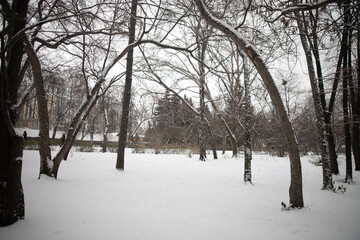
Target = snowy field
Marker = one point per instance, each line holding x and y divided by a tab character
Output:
166	197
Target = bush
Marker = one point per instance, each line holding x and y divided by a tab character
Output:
31	144
138	150
85	147
316	161
177	149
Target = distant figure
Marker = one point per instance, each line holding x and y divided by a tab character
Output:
62	140
25	135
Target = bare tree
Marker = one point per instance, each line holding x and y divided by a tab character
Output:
106	122
82	27
202	35
44	139
346	79
351	24
247	140
295	191
327	175
356	97
156	78
120	162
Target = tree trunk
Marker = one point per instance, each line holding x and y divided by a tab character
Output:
213	142
106	127
355	107
55	130
295	191
348	176
332	155
331	140
320	118
75	126
46	164
356	140
231	137
247	151
224	142
120	162
356	127
332	150
202	137
12	204
227	129
346	79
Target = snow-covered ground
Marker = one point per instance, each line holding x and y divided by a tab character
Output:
176	197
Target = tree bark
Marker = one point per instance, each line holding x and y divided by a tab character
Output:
12	204
75	126
223	142
120	162
355	110
46	164
247	151
356	127
348	175
295	191
331	140
346	79
227	129
328	134
231	137
55	130
202	137
213	142
106	124
320	118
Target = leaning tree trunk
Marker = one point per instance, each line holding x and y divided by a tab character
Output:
231	137
75	126
120	162
55	130
295	191
46	165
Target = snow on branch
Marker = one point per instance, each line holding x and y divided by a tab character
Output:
300	7
23	98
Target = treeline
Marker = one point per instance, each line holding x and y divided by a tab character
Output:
174	124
